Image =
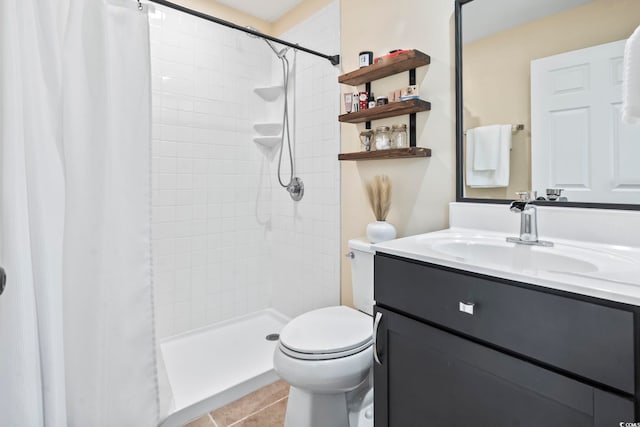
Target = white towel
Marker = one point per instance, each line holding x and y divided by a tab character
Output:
488	152
486	142
631	80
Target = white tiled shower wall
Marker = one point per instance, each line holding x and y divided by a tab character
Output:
306	238
227	240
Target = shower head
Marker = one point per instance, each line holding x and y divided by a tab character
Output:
279	53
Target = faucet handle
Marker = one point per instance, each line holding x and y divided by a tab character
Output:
554	193
526	196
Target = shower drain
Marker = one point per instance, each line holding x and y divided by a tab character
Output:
272	337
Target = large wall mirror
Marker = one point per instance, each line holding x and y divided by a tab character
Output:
539	90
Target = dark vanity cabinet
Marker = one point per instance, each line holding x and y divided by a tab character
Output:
458	349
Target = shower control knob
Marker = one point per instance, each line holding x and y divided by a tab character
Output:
296	189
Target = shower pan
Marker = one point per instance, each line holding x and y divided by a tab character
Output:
239	354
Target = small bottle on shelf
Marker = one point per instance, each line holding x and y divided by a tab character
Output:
364	100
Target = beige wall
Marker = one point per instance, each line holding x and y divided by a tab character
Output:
298	14
213	8
499	89
422	188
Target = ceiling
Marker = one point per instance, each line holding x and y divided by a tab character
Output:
267	10
482	18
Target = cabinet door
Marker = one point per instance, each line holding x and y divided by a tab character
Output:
431	378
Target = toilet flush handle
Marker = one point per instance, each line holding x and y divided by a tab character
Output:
350	255
376	325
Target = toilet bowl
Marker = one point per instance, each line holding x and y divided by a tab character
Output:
326	356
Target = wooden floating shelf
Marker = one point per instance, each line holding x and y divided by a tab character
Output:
392	109
394	153
402	62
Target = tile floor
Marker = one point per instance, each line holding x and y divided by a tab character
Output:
262	408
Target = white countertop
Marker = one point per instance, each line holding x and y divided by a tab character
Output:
615	276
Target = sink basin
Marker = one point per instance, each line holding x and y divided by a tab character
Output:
515	257
491	252
599	270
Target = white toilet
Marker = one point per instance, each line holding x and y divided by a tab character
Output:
326	356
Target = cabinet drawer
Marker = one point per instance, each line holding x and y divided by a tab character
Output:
590	340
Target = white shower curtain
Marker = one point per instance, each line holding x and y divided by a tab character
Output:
76	319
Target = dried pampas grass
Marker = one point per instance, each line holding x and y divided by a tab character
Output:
379	192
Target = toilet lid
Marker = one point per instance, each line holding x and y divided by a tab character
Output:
327	333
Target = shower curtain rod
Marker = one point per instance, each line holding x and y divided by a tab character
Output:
334	59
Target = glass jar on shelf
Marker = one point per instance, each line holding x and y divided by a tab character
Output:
382	138
399	138
366	139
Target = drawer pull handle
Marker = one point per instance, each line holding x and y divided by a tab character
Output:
376	325
466	307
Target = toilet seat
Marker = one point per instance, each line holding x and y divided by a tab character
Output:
327	333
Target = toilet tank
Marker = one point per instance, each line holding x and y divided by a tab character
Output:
362	274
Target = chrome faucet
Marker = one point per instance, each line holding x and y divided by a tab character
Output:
528	220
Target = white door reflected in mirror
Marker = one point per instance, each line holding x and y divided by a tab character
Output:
578	140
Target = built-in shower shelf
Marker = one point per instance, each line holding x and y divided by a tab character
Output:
269	93
268	129
394	153
267	141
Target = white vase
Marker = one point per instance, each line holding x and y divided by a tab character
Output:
380	231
